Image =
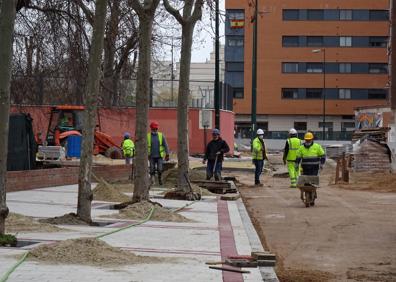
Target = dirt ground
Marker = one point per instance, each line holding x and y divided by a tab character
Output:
350	235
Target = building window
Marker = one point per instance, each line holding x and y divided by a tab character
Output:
291	15
290	41
326	125
314	93
378	68
378	41
344	94
300	126
314	67
379	15
290	67
289	93
235	42
315	15
347	124
345	15
377	94
345	41
315	41
238	93
345	68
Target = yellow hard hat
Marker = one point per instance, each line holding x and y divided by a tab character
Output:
308	136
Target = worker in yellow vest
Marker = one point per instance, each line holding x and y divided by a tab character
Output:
157	151
292	146
311	156
259	155
128	148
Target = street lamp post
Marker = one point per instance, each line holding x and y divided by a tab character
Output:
254	71
323	51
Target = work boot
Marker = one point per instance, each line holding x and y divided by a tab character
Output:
257	182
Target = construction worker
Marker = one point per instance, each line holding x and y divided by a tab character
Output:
214	154
157	151
311	156
128	148
292	145
259	155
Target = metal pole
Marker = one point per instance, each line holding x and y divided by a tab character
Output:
217	69
254	72
172	75
324	93
392	71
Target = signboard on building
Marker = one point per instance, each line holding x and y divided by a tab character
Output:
368	120
205	119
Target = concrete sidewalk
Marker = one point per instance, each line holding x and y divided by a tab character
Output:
220	229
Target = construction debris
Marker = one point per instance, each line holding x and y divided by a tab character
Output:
371	156
230	197
231	269
378	134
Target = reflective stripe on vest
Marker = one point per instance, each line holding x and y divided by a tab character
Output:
257	149
161	146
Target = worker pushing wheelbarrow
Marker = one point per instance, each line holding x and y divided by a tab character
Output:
312	157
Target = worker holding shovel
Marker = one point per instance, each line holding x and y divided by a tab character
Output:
214	154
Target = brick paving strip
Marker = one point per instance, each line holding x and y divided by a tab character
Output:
227	240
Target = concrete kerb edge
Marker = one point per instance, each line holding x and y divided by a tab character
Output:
267	273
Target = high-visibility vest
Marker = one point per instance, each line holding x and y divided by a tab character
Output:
294	145
161	146
258	148
311	155
128	147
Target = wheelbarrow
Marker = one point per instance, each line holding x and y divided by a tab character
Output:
308	185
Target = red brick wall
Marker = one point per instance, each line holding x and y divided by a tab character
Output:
40	178
116	121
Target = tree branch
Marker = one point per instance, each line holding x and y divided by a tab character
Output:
175	13
135	4
197	13
88	13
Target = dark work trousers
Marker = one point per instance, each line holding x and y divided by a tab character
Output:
259	164
156	164
217	170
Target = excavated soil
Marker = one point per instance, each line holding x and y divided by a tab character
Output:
68	219
139	211
378	182
170	176
87	251
109	193
196	189
21	223
303	275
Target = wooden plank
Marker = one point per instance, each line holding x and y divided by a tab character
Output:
241	262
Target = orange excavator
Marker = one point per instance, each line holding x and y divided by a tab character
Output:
67	120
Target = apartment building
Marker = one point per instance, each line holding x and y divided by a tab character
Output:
316	60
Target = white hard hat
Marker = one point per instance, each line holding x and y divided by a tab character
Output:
292	131
260	131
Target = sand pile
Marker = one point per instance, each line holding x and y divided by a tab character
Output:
21	223
196	189
68	219
107	192
379	182
303	275
87	251
139	211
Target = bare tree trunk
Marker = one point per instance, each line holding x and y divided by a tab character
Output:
91	104
182	107
7	21
187	21
146	13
